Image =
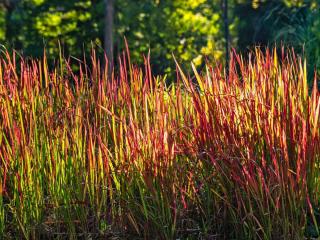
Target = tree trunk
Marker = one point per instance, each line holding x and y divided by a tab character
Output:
108	31
9	6
8	30
226	35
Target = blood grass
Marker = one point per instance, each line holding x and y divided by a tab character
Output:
100	153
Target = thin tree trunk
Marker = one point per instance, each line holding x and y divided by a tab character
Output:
9	5
226	34
108	31
8	30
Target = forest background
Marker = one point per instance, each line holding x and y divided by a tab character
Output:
192	30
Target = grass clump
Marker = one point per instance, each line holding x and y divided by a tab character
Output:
92	154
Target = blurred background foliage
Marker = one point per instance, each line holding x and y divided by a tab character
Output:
191	29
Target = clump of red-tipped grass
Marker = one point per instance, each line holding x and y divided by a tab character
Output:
93	154
259	133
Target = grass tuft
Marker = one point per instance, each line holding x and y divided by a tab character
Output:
96	153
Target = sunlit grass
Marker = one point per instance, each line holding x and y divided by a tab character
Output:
83	154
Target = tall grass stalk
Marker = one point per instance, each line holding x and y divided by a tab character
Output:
114	154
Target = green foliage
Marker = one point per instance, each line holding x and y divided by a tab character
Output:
2	24
189	29
192	30
292	23
38	23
